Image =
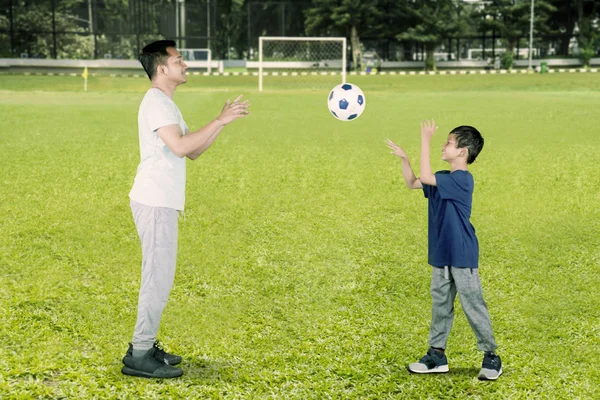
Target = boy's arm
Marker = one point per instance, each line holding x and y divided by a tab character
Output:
428	128
412	182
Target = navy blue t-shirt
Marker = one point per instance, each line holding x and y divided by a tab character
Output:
452	239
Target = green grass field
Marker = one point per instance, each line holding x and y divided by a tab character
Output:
302	268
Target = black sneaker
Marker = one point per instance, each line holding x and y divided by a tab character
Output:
170	359
160	354
147	366
491	368
433	362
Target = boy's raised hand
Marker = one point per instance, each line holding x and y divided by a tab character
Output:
428	128
396	150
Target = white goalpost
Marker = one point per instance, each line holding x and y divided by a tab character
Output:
301	56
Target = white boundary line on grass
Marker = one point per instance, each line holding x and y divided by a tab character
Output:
362	73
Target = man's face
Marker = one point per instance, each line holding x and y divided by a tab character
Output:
176	68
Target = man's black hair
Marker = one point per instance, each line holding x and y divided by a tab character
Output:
155	54
469	137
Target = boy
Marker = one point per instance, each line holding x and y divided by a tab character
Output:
453	247
158	196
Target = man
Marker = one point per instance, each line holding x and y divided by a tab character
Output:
158	196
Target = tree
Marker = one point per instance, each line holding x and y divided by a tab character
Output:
273	18
345	18
5	45
231	18
588	13
396	18
68	41
431	22
512	18
563	21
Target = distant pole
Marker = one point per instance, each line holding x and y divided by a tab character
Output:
248	24
457	49
136	18
483	55
531	36
91	25
344	49
12	29
260	64
182	24
208	24
282	11
54	28
95	38
177	35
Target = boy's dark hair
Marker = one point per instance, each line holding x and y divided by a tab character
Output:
469	137
155	54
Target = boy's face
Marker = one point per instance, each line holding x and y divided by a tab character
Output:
449	150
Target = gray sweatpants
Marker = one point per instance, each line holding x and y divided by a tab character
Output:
157	228
445	283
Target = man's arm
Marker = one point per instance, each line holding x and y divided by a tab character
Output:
187	145
412	182
428	128
195	143
209	141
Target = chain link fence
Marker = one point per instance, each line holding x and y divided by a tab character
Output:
97	29
92	29
317	62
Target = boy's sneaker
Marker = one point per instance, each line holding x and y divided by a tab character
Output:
491	368
160	354
148	366
433	362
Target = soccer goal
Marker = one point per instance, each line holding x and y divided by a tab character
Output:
197	58
310	62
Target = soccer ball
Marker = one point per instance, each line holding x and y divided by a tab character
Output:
346	102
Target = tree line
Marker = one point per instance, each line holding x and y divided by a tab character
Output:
91	28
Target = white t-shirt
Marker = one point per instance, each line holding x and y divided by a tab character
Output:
160	178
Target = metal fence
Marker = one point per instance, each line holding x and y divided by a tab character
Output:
96	29
474	47
88	29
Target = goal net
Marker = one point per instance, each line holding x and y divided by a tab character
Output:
301	62
197	58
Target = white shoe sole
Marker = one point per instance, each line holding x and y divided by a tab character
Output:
483	377
437	370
